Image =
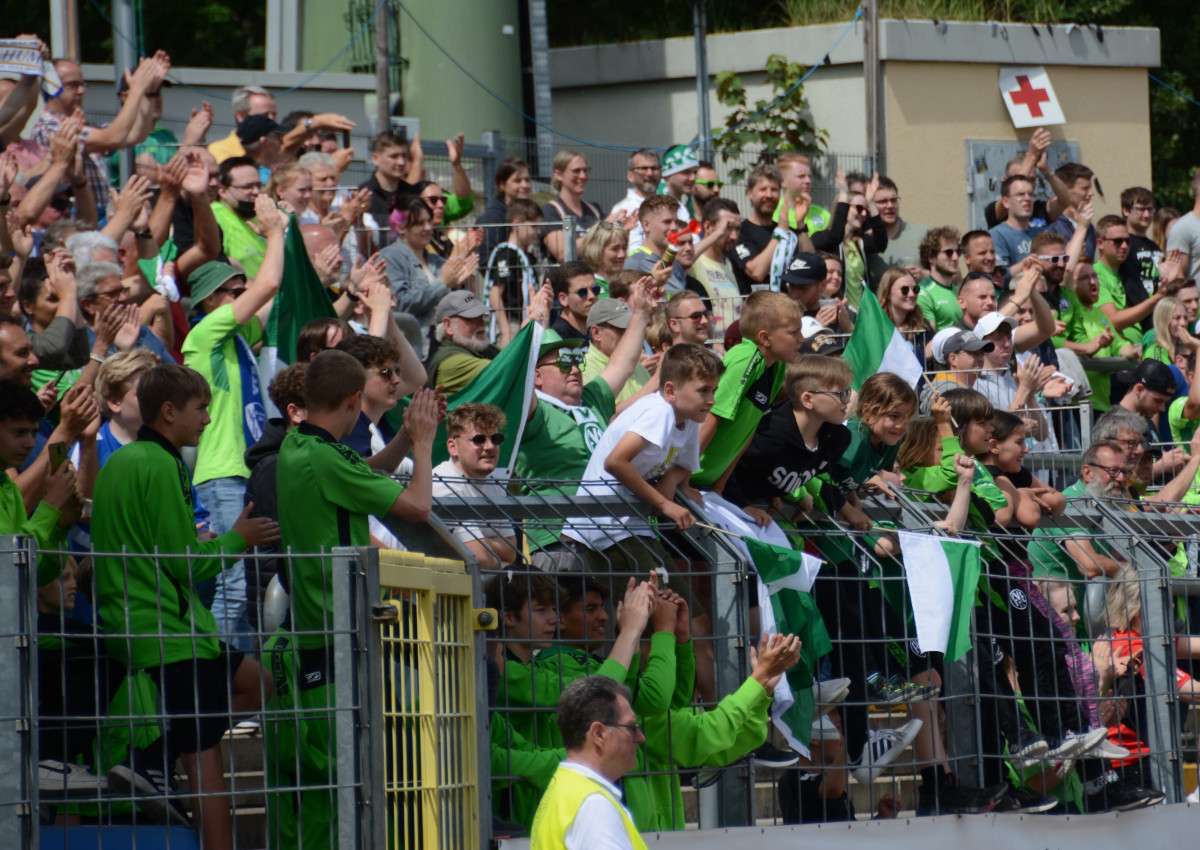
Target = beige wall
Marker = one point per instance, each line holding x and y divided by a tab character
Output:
933	106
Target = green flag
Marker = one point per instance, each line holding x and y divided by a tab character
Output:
788	608
506	382
301	298
943	575
876	346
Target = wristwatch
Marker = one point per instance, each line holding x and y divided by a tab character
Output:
308	125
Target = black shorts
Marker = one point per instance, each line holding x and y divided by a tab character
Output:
195	695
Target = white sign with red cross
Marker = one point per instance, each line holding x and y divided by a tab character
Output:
1029	97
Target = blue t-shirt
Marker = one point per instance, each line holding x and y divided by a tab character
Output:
1012	245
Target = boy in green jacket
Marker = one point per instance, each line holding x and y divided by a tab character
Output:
143	504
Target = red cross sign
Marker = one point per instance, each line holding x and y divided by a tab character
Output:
1029	97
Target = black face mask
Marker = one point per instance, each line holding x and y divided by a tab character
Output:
245	209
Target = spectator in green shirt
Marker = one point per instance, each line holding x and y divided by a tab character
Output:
938	300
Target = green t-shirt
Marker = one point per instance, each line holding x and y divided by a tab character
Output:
42	527
1182	430
1050	558
861	460
326	493
557	444
1112	290
817	218
210	349
939	304
1084	325
743	395
239	241
143	502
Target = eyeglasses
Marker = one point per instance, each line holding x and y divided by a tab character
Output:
841	395
112	293
951	252
1117	240
62	204
1112	471
245	187
1142	208
583	293
634	728
1131	444
387	373
1053	259
235	291
648	169
567	359
712	184
480	439
698	315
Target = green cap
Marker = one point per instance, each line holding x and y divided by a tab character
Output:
551	341
678	158
205	280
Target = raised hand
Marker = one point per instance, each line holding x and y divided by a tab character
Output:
270	218
421	417
198	125
454	148
77	408
939	409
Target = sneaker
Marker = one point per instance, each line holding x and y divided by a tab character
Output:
150	788
1106	749
1027	802
830	693
1194	797
881	692
1074	744
883	746
916	693
1029	749
773	758
824	730
951	797
66	778
1117	795
247	728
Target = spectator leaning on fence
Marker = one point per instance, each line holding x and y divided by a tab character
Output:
510	278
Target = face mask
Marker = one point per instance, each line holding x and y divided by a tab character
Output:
245	209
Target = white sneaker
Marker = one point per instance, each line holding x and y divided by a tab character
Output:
1194	797
57	777
1106	749
1075	744
829	693
824	730
883	746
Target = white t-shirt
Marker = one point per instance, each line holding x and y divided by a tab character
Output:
653	419
597	825
449	480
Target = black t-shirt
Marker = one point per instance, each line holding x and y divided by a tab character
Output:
777	461
1139	275
508	271
566	331
380	206
752	239
1022	478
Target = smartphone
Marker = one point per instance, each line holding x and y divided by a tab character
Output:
58	455
346	139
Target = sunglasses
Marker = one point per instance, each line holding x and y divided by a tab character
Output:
583	293
388	373
950	252
698	315
62	203
908	290
841	395
859	208
235	291
436	199
1053	259
1119	240
567	359
480	439
712	184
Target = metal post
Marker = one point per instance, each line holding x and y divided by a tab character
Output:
351	693
124	56
704	128
383	82
493	146
539	47
871	79
18	681
568	226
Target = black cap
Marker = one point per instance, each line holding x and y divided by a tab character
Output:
1151	374
254	127
823	342
804	269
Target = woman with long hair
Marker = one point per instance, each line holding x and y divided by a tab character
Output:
897	294
570	180
1170	328
512	181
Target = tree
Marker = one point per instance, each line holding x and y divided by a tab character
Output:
777	124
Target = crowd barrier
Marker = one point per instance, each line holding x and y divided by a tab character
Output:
412	761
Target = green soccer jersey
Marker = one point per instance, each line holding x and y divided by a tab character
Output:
861	460
1084	325
211	348
42	527
239	241
558	443
143	504
1182	429
938	303
326	493
817	218
1112	290
743	395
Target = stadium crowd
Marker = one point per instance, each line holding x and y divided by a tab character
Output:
691	352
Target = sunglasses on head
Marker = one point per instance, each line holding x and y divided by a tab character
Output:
480	439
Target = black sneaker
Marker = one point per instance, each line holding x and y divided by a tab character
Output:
150	788
1117	795
773	758
950	797
1021	800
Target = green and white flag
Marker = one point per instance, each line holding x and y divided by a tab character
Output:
506	382
876	346
942	574
301	298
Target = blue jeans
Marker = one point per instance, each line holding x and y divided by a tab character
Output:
224	499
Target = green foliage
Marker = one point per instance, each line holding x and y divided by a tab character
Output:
785	127
798	12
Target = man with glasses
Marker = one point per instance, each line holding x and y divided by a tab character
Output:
100	287
706	187
567	418
575	290
1139	271
903	237
474	434
463	347
1112	246
240	185
1151	389
940	253
643	176
689	319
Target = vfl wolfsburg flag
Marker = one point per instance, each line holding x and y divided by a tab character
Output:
301	298
506	382
876	346
786	606
943	574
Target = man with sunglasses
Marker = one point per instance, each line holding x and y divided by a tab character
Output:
706	187
474	434
575	290
940	253
1112	248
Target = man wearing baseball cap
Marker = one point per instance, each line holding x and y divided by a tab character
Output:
463	350
607	322
1152	387
962	353
262	137
801	280
679	167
